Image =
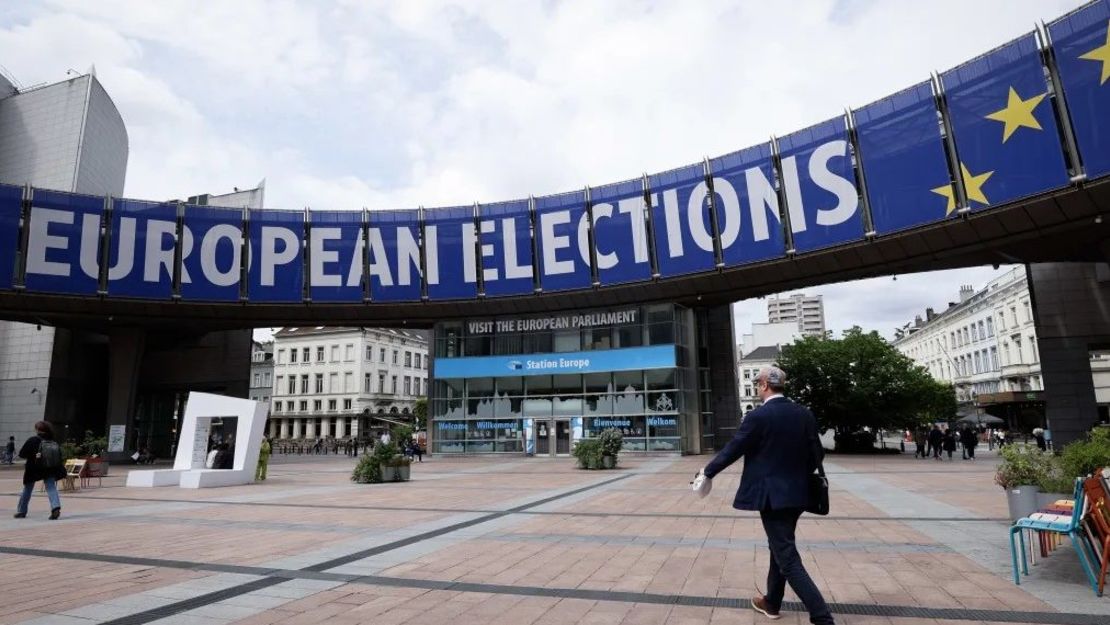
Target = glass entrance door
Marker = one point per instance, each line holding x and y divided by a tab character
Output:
562	437
543	437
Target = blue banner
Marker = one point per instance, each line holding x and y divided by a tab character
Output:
451	258
563	242
1081	42
903	159
680	218
276	270
141	249
11	202
211	250
626	359
63	243
620	232
394	256
504	230
747	206
1005	132
821	194
336	255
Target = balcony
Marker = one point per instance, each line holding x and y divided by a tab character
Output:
1019	370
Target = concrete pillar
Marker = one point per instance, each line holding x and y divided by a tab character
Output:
125	357
722	375
285	428
341	427
354	427
325	427
310	428
296	428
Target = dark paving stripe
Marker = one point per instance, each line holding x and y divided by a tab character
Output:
277	576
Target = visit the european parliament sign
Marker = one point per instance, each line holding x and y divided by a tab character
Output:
1025	119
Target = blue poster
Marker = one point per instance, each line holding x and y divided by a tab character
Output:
625	359
141	249
335	255
1005	132
211	251
748	214
621	232
903	159
504	231
63	243
394	256
11	204
563	242
451	253
276	270
821	195
680	217
1081	41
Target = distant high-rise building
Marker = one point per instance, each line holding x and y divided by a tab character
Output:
808	311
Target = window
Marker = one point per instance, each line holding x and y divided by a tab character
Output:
974	333
366	388
417	357
394	356
280	379
408	385
994	359
416	386
369	353
320	354
393	384
748	375
346	404
978	363
408	359
293	355
953	337
348	382
305	354
319	382
381	355
381	382
1028	310
266	379
334	353
257	380
1033	348
292	384
1017	348
349	351
990	326
304	384
333	382
331	404
317	405
1013	314
982	330
304	405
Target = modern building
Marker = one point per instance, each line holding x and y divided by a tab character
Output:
262	371
345	382
985	345
535	385
807	312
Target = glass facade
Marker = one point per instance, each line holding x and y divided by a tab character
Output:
537	385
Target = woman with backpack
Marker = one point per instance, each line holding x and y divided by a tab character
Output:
44	462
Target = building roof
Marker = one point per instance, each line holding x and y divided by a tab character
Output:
298	332
764	352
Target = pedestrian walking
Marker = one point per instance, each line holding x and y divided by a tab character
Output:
936	439
1038	434
781	449
44	462
921	442
9	451
969	439
263	460
949	442
415	450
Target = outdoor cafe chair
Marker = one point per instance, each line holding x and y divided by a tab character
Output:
1069	525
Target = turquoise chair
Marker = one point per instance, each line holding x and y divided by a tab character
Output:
1070	526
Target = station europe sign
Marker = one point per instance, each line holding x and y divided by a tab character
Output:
881	169
623	359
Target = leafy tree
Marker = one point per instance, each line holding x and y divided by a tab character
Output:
420	412
860	380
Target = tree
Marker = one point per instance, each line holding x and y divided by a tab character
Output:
420	412
860	381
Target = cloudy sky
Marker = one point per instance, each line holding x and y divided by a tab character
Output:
426	102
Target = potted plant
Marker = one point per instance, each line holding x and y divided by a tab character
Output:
589	453
93	448
611	443
1053	481
1018	474
402	467
367	471
385	453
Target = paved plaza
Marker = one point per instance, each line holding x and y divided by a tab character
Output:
516	541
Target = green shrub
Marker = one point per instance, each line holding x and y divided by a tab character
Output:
367	471
588	451
1021	464
611	441
1082	457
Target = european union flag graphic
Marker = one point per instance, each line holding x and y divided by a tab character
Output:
1004	128
1081	42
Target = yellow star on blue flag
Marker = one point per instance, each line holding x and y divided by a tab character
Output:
972	184
1017	113
1101	54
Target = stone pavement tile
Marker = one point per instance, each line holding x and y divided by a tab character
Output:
647	614
567	611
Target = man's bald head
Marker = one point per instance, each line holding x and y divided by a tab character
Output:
773	377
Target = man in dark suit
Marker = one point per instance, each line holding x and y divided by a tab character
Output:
781	448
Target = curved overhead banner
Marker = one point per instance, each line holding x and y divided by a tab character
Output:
1081	41
748	215
451	253
211	253
394	256
141	249
680	217
276	269
620	232
63	243
1005	130
821	195
505	235
11	204
903	160
563	242
336	258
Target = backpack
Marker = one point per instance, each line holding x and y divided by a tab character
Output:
50	455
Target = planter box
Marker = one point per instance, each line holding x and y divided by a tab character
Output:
403	472
389	474
1022	501
96	467
608	462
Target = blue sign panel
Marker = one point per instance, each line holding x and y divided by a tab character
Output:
680	217
620	232
626	359
63	243
450	257
11	199
141	249
563	241
336	256
276	269
902	153
1005	131
1081	42
394	256
744	180
211	253
504	230
821	193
